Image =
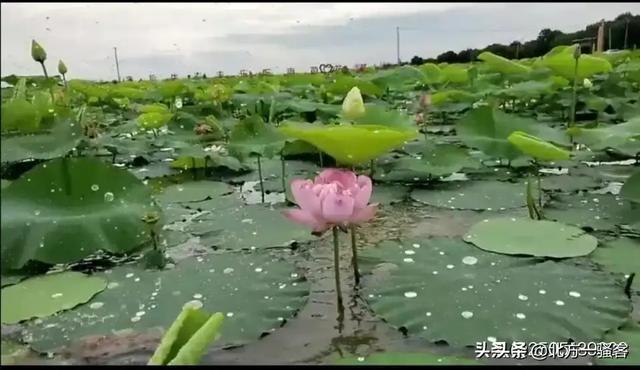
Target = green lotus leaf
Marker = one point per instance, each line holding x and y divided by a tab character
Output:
349	144
503	65
562	62
154	120
537	148
452	96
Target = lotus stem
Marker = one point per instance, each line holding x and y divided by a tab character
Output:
354	257
539	189
574	97
284	175
64	79
336	266
321	160
193	167
261	184
372	168
46	76
44	70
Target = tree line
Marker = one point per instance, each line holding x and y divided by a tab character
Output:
625	34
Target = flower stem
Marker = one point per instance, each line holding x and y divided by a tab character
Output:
537	169
336	266
321	160
284	175
354	257
261	184
372	168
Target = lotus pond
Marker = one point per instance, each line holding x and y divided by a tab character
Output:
151	221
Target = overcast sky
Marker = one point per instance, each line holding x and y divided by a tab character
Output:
184	38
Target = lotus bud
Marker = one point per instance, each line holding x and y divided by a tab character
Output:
577	52
62	68
37	52
425	101
587	83
353	106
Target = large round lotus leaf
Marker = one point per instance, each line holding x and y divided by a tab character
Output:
503	65
451	96
620	255
531	237
67	208
446	290
380	115
487	129
45	295
248	227
349	144
61	138
596	211
175	212
569	183
400	358
631	188
19	115
398	78
563	63
629	334
254	137
193	192
480	195
256	292
154	120
623	137
388	194
435	160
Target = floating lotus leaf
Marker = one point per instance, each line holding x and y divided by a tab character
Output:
524	237
349	144
486	296
46	295
487	128
631	188
257	293
622	137
154	120
476	195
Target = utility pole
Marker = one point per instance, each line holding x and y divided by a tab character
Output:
115	52
609	37
398	43
626	33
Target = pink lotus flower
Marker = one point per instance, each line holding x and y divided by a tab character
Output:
336	198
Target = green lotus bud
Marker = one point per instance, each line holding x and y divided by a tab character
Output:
577	52
587	83
62	68
37	52
353	106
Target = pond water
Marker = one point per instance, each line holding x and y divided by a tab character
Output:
317	334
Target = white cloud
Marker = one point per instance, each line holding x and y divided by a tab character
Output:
179	36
